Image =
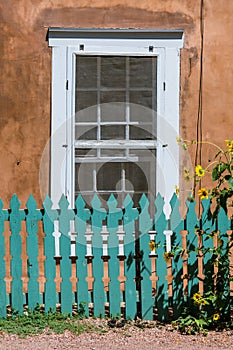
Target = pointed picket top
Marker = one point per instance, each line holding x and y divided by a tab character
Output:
206	214
1	204
80	202
96	202
99	214
82	212
63	203
159	205
223	219
175	217
32	209
114	214
190	205
47	203
31	203
128	201
3	213
15	210
144	202
131	213
14	203
112	203
206	206
145	224
174	200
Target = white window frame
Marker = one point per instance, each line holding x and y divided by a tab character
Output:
66	44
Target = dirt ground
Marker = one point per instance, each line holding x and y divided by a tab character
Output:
125	338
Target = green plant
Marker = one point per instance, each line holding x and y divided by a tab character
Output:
220	169
212	309
37	322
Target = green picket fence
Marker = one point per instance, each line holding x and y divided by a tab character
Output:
110	252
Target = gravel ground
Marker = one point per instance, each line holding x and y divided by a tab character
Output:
125	338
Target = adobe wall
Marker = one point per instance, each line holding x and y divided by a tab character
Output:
25	70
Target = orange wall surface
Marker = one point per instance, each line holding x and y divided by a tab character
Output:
25	71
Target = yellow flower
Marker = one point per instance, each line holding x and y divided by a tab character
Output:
203	193
152	246
187	176
199	171
229	144
177	190
216	317
168	255
178	140
196	297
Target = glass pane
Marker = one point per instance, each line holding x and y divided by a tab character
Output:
86	72
140	72
108	176
85	132
137	177
143	98
85	152
111	111
143	154
139	113
113	72
112	152
142	132
110	132
84	174
86	106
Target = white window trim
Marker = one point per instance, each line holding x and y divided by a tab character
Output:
66	43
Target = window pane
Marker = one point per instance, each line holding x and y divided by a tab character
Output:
137	177
84	173
143	154
111	111
108	175
143	98
85	132
113	72
139	113
84	100
112	152
85	152
140	72
110	132
142	132
86	72
86	107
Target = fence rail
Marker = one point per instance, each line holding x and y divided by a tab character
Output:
115	260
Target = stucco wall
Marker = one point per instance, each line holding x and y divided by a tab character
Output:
25	70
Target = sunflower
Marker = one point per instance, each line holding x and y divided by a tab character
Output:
203	193
152	246
199	171
168	255
229	144
216	317
177	190
196	297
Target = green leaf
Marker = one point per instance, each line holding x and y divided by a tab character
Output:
230	181
215	174
218	170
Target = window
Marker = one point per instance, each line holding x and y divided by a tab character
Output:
115	113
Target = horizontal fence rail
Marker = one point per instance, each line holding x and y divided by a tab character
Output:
108	261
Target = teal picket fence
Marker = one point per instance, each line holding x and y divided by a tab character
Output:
110	261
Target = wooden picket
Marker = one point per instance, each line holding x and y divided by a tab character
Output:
100	259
